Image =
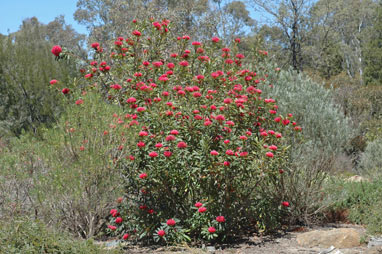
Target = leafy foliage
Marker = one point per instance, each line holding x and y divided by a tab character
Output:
67	178
26	67
23	235
371	162
204	137
362	201
326	136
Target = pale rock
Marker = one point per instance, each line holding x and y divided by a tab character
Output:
339	238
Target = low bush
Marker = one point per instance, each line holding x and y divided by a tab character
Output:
371	160
23	235
361	201
68	178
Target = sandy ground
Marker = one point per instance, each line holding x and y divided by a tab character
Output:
281	244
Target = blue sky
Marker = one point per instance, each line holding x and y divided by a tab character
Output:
13	12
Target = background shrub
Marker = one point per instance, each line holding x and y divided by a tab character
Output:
371	161
67	178
326	137
23	235
361	201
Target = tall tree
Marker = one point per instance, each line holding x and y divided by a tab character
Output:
289	16
372	52
201	19
346	22
26	67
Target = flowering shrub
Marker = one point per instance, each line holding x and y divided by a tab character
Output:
209	145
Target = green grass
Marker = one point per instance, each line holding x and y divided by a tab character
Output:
26	236
362	199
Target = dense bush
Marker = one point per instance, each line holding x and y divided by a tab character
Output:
68	178
327	134
361	201
25	71
209	148
27	236
371	161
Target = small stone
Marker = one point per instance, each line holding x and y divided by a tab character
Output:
339	238
211	249
374	242
356	179
374	250
331	248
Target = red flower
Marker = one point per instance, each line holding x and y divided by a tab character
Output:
202	209
214	153
112	227
220	118
161	233
183	63
244	154
198	204
143	176
211	230
131	100
141	144
137	33
79	102
174	132
269	154
197	94
95	45
116	86
113	211
56	50
229	152
141	109
157	64
273	147
227	100
243	137
170	138
167	153
153	154
65	90
215	39
143	134
171	222
53	81
220	219
118	220
285	203
182	144
125	236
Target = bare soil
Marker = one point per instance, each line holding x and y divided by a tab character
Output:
283	243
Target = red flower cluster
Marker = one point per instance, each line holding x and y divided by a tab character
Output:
56	50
